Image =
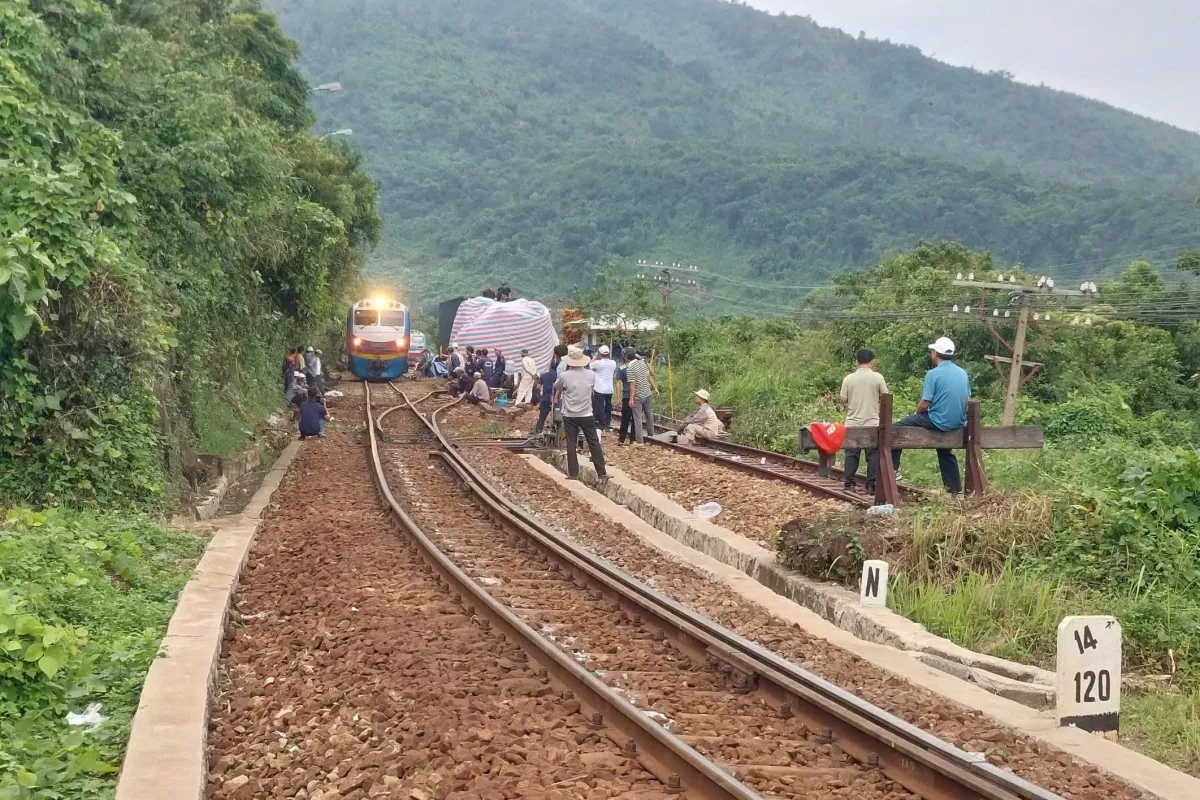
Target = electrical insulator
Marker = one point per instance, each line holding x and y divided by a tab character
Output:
958	277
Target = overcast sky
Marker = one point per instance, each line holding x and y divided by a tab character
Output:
1143	55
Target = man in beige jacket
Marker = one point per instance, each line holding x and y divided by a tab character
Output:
702	423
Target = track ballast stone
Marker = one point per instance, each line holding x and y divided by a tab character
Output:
968	729
349	673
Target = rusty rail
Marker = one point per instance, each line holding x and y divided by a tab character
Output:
913	758
675	763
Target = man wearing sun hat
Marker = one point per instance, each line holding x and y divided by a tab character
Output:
703	422
943	407
574	387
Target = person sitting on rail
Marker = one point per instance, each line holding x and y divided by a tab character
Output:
703	422
480	393
461	383
313	416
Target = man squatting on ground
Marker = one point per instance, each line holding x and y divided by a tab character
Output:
574	387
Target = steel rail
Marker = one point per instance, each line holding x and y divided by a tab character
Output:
914	758
800	464
675	763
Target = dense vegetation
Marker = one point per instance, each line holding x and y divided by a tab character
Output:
1105	519
169	227
534	140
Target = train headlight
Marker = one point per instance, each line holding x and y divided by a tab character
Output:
380	301
356	341
401	341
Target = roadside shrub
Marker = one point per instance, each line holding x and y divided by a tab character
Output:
84	600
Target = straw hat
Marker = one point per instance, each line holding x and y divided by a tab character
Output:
576	357
702	394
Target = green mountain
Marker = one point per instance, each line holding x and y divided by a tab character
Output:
531	140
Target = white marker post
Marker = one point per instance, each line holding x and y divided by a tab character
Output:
873	587
1089	673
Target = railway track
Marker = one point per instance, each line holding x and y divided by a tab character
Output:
737	720
799	471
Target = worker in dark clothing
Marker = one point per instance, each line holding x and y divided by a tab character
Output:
313	416
545	401
498	373
487	366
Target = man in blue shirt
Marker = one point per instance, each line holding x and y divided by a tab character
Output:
943	407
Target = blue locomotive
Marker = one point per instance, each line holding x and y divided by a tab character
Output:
378	336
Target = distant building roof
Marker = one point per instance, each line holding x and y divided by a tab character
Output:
616	323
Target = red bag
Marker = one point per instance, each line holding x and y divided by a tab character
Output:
828	436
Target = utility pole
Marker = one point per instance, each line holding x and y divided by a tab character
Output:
669	278
1023	296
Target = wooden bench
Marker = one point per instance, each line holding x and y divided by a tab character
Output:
974	438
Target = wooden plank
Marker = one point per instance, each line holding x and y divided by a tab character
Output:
905	438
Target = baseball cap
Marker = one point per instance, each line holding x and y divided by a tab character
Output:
603	349
943	346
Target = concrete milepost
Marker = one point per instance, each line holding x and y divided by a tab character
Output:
1089	673
872	590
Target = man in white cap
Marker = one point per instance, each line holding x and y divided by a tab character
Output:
703	422
574	387
943	407
605	368
457	360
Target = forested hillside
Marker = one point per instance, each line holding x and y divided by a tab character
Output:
535	139
168	229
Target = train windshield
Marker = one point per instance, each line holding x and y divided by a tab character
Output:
387	318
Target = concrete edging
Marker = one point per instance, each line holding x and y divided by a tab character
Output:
1149	776
1025	684
167	754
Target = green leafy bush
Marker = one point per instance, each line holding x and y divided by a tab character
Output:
83	603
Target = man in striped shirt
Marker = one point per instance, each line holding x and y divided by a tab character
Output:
641	396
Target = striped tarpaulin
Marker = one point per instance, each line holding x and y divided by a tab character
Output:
511	326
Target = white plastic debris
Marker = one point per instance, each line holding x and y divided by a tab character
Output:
882	511
90	719
707	510
335	393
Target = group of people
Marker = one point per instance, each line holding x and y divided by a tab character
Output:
476	373
304	388
943	407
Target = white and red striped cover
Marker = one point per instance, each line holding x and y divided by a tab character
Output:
511	326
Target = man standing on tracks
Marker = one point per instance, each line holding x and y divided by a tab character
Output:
526	378
312	369
625	434
943	407
575	388
641	393
860	395
605	368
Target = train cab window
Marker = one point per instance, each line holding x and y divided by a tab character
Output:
392	318
365	316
